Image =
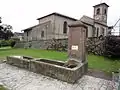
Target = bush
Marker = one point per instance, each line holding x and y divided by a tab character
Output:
12	44
112	46
4	43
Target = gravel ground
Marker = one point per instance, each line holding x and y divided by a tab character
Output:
19	79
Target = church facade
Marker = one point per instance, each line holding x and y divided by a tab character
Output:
55	25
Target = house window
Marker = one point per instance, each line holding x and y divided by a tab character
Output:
65	27
42	33
97	34
98	11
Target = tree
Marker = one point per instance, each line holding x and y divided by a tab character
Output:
5	31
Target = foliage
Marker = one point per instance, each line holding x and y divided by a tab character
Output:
108	46
4	43
12	43
112	46
2	88
5	31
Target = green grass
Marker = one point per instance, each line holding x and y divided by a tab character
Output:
2	88
103	64
34	53
94	62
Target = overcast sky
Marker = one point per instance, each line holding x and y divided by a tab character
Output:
22	14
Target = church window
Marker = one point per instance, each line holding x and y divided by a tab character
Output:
98	11
86	32
97	33
42	33
103	31
105	11
65	27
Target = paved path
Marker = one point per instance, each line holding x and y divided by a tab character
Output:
19	79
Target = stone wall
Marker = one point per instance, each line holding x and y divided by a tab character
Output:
41	44
20	44
95	45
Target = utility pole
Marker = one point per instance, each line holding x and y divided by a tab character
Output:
119	28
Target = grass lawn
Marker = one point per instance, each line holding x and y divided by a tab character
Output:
34	53
2	88
95	62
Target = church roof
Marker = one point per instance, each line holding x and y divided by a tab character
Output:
18	34
30	28
101	4
58	14
90	21
87	20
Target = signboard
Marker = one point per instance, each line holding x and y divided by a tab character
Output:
74	47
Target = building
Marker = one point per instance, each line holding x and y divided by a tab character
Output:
55	25
18	35
51	26
98	24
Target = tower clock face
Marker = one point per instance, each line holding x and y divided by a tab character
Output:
97	18
104	18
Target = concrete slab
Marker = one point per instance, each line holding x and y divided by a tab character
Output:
19	79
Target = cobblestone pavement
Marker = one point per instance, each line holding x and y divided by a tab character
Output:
19	79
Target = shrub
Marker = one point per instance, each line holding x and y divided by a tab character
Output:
112	46
4	43
12	44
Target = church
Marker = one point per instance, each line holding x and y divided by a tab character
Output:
55	25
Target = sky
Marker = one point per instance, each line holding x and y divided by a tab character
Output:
22	14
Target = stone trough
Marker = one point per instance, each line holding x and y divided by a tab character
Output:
19	61
52	68
69	71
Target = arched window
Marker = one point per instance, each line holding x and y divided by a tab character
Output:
42	33
98	11
65	27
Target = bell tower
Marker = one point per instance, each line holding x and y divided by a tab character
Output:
100	12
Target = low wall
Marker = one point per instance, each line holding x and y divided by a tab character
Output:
52	68
41	44
94	45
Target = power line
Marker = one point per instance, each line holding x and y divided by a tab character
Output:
116	22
